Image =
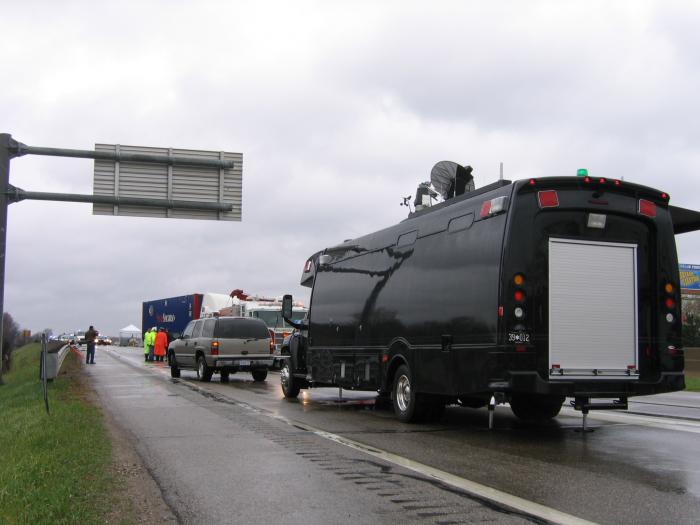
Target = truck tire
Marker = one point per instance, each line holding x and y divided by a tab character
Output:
174	369
409	406
259	375
224	376
535	407
290	384
204	373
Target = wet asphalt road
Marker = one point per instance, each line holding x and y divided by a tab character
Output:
228	451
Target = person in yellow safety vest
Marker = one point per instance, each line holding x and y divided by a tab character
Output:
149	340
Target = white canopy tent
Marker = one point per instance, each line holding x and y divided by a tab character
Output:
130	335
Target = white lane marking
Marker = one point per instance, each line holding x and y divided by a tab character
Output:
472	487
678	425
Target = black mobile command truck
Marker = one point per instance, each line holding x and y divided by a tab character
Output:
525	291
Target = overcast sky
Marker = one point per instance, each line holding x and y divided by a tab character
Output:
339	109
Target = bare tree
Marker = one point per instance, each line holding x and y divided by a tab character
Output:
10	332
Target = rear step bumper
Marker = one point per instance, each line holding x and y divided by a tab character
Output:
531	382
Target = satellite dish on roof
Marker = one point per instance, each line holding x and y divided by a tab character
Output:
451	179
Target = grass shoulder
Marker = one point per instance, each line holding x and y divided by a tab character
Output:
692	383
55	468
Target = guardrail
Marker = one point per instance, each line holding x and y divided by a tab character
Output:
56	352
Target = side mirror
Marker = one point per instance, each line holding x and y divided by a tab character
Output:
287	306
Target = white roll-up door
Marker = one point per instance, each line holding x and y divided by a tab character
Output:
592	309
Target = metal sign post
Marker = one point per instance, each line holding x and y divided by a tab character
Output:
6	143
44	372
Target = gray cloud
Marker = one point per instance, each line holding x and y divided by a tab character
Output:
339	110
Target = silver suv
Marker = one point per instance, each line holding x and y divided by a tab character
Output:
224	345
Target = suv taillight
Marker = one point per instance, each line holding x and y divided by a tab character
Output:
215	348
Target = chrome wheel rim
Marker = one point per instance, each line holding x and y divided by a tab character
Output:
403	393
284	377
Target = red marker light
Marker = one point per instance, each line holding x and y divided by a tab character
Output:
602	180
618	183
519	296
586	179
647	208
669	303
664	196
485	209
548	199
520	348
532	182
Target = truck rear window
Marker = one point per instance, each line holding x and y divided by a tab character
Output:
241	329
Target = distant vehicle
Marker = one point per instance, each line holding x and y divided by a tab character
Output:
223	345
79	338
103	340
172	313
269	310
526	291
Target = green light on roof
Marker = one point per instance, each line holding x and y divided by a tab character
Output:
582	172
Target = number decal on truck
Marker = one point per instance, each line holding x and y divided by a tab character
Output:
518	337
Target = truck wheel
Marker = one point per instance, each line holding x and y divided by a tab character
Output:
224	377
174	369
290	385
259	375
409	406
534	407
204	373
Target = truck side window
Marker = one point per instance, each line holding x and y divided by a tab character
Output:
407	239
208	328
460	223
197	329
188	330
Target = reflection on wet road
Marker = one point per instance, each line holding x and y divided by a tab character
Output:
636	467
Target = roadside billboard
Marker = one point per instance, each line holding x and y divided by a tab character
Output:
690	277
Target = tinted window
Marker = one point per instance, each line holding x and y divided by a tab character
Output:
188	330
246	328
197	329
208	329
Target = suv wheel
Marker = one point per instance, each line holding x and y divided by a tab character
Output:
174	369
224	377
204	373
259	375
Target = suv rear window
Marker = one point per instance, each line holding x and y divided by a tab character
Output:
241	329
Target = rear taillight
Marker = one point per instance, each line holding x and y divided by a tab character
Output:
215	348
493	207
272	346
669	301
647	208
548	199
307	266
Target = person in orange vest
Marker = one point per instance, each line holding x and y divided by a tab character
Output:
161	344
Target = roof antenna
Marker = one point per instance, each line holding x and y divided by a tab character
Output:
501	173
